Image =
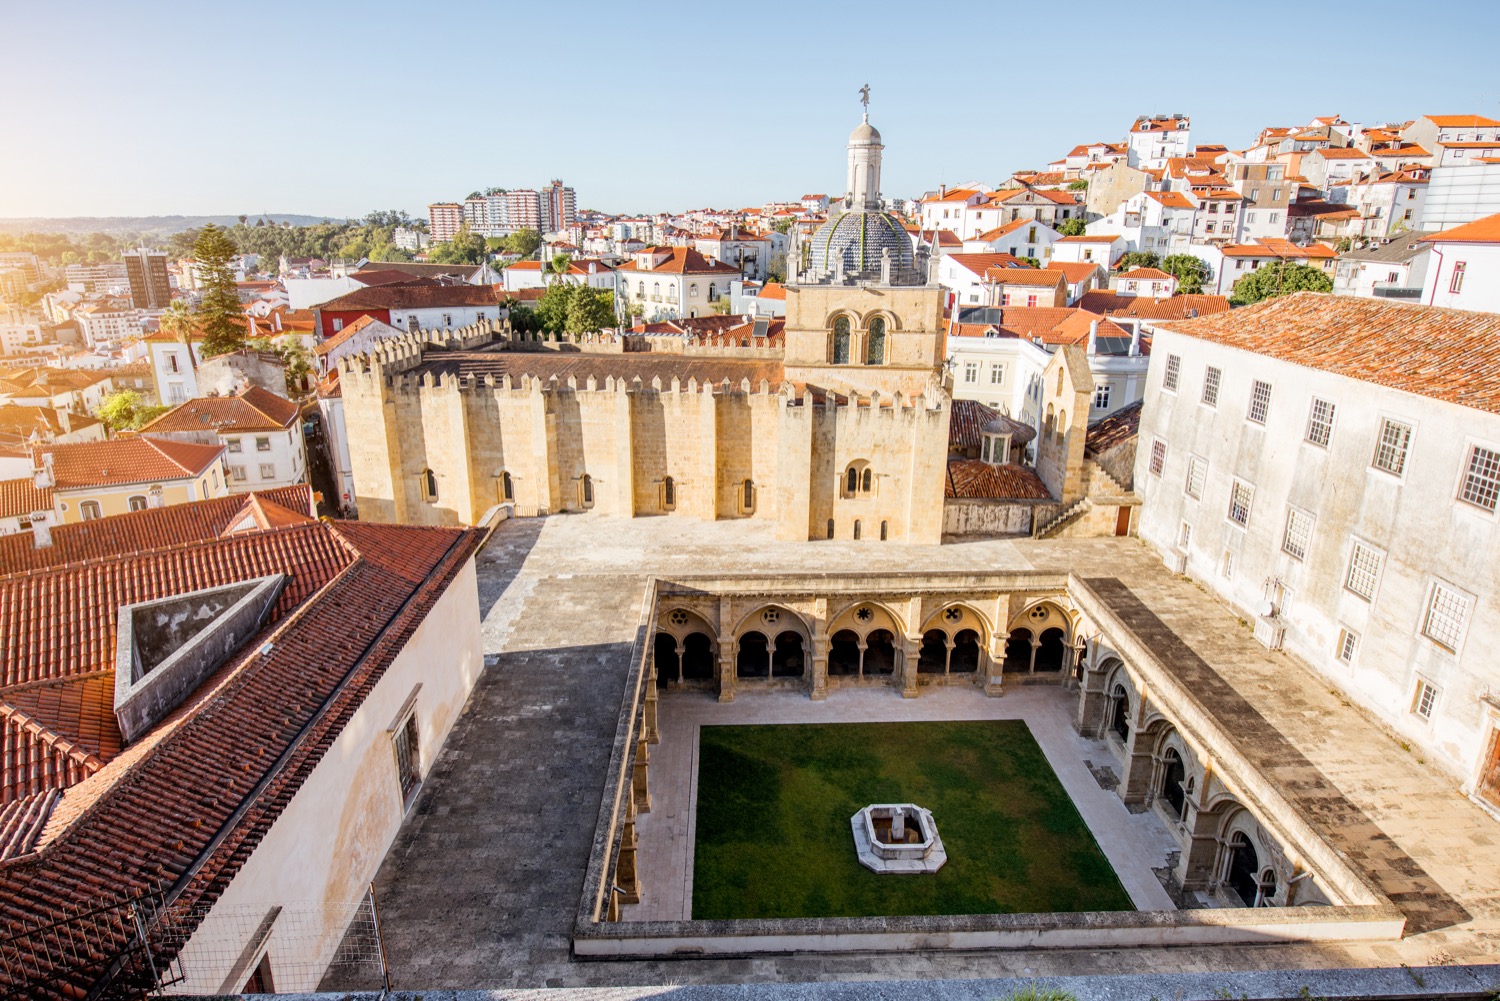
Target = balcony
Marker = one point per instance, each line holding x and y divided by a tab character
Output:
1395	290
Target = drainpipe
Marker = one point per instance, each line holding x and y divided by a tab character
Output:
1093	337
1437	275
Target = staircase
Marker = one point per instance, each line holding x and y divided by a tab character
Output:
1069	515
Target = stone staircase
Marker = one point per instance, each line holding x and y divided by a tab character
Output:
1069	515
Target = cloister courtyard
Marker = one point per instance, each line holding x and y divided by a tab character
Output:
482	887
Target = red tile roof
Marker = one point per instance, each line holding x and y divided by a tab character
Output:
1103	238
128	460
1176	307
1445	354
1461	121
1073	271
20	497
1146	275
1172	199
967	420
255	409
772	290
199	792
415	295
1115	429
979	480
980	263
1486	230
682	261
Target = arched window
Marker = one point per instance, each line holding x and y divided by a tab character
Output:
640	289
586	488
830	528
507	489
841	340
138	502
856	528
713	292
1062	426
884	533
1243	876
747	500
875	351
1119	720
89	510
1059	380
1172	789
866	480
656	291
429	485
668	493
851	481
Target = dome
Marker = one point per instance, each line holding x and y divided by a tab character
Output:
864	132
859	240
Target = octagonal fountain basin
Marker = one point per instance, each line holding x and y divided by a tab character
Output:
897	838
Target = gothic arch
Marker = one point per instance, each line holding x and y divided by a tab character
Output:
696	622
786	619
1058	615
971	618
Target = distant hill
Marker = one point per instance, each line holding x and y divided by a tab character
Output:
152	225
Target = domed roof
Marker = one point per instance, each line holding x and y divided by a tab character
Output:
859	240
864	132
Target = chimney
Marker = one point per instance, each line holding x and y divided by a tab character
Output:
1093	337
1135	339
43	472
41	529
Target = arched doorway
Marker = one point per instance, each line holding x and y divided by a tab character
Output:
754	657
1018	651
668	666
787	660
880	652
933	657
1172	789
1119	713
1051	650
698	658
965	658
843	654
1244	869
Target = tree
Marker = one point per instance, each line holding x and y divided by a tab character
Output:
1079	185
1189	271
124	410
1073	227
552	307
557	268
1281	278
776	268
524	242
179	324
523	320
1139	259
590	310
466	247
782	225
220	315
289	350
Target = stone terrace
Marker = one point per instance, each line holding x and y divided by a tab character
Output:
481	887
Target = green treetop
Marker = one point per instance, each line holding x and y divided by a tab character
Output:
1280	278
1189	271
220	314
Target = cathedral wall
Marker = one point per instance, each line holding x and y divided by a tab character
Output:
594	439
913	346
747	436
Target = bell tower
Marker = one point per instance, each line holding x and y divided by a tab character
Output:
863	187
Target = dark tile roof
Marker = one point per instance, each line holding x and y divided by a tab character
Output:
1445	354
1107	432
968	418
414	295
188	802
973	479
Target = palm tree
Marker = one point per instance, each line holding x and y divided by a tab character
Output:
559	267
179	322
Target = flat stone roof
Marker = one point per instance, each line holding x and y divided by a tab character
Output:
481	887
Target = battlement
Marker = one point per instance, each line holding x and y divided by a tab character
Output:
405	352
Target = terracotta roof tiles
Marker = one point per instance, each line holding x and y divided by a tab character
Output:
129	460
1486	230
1114	429
255	409
21	496
976	479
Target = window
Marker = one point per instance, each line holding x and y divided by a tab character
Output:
1364	570
1101	396
884	531
830	528
1211	377
429	486
138	502
1456	283
841	341
1260	401
1299	526
237	473
668	493
1169	377
1196	475
267	471
411	322
263	444
586	490
1348	643
747	496
338	324
997	373
875	348
1158	456
235	445
1482	478
971	371
408	755
1447	609
1226	566
172	362
1320	422
89	510
1425	699
1239	503
1184	535
1390	451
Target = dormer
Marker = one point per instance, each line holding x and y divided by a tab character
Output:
168	647
651	258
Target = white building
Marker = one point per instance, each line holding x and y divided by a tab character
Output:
1020	238
1396	270
1312	461
1465	272
1102	249
1456	195
671	282
538	274
260	431
1155	140
1389	204
106	322
1161	222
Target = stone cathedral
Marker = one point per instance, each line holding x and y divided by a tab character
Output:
840	430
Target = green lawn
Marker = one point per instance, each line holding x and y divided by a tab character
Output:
774	841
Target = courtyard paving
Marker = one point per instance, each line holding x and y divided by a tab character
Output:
481	886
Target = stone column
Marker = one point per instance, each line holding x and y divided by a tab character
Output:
640	786
1198	868
819	652
1093	705
648	715
726	670
1138	782
910	650
860	674
627	882
994	681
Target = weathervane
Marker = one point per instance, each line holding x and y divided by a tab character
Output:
864	98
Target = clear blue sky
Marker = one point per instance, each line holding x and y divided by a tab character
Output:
137	108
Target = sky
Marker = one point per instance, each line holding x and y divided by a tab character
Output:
335	109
